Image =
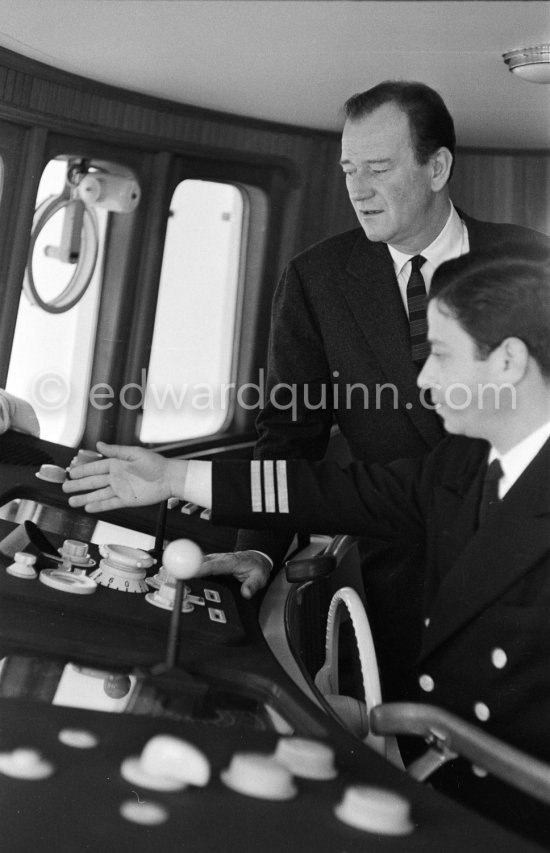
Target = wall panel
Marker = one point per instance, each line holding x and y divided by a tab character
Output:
504	186
499	186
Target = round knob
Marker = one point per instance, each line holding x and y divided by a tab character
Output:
117	686
73	548
259	775
310	759
166	755
52	473
23	566
167	763
375	810
78	738
182	559
24	559
25	763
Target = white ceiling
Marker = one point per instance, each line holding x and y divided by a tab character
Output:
296	61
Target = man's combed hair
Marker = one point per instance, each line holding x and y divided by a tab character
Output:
430	121
498	293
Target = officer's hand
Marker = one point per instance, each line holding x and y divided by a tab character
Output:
126	476
251	568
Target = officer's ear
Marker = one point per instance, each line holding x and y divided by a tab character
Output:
512	358
442	164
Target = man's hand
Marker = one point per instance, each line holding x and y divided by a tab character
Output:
249	567
128	476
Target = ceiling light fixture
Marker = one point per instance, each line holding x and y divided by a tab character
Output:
530	63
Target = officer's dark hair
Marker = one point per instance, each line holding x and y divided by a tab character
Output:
430	121
500	292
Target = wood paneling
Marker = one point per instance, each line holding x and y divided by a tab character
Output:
504	187
494	185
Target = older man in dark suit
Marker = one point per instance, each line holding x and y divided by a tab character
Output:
478	506
340	345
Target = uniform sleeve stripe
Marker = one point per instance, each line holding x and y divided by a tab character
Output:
256	485
282	488
269	486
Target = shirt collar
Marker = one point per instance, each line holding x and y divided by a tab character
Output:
515	461
449	243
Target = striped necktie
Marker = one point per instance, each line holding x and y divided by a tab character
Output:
416	304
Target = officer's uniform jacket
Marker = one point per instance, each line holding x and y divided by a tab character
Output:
485	634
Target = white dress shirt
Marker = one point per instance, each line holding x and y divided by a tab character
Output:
515	461
451	242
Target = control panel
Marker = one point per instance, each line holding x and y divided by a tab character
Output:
142	709
74	779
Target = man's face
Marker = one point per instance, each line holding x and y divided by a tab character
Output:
391	192
463	387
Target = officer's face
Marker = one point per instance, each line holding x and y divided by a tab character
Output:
467	390
393	195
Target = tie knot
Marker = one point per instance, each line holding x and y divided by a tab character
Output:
416	262
494	471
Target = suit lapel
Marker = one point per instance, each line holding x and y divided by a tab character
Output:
455	511
372	293
498	555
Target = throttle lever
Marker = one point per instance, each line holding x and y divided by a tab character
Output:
40	541
310	568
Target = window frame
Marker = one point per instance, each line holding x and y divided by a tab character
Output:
131	273
236	307
265	185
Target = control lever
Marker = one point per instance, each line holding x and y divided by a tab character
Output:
156	550
40	541
182	560
310	568
449	736
320	565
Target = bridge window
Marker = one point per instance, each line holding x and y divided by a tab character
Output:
53	341
188	381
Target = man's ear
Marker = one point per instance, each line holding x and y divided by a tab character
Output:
442	162
513	359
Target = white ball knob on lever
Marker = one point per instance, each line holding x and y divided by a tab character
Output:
182	559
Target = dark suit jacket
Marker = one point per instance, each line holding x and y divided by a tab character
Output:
338	321
485	632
